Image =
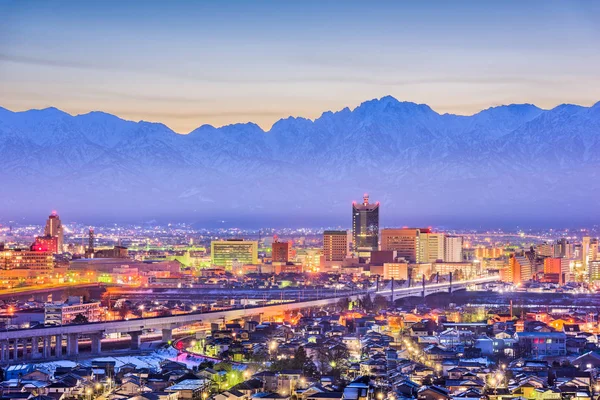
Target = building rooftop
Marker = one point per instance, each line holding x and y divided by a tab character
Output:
188	384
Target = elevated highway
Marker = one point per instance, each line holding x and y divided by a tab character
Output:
47	342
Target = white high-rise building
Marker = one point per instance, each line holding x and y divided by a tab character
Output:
453	248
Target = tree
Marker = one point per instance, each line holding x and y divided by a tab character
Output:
380	302
80	319
298	362
343	303
366	302
300	357
223	366
333	359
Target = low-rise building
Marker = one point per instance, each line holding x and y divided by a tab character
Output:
59	313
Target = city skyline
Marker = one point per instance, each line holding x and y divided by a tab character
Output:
299	200
188	64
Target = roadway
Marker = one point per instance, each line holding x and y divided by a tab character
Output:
169	322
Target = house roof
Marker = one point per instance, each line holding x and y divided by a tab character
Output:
188	384
326	395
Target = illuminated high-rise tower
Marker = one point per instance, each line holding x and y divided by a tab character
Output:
54	228
91	243
365	225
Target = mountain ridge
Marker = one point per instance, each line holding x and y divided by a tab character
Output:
384	99
509	161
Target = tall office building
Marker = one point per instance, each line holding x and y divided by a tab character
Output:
335	245
563	248
25	266
592	256
280	251
585	248
556	269
453	249
54	228
406	242
545	249
45	243
365	225
594	271
431	246
520	269
224	253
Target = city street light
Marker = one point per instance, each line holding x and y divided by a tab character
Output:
272	347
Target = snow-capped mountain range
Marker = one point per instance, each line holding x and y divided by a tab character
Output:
509	162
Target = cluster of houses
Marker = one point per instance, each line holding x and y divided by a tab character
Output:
349	355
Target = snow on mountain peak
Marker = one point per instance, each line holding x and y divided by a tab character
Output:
400	150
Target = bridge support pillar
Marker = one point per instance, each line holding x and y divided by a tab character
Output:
35	350
4	351
47	346
72	344
96	343
58	346
136	340
167	335
16	349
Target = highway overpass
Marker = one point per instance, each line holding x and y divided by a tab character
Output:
37	343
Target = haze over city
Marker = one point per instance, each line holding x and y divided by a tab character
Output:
248	67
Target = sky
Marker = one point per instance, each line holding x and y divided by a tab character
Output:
189	63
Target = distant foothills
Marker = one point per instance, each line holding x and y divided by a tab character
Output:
509	164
